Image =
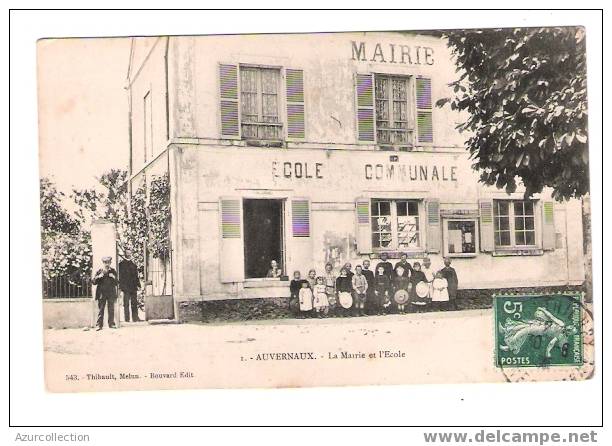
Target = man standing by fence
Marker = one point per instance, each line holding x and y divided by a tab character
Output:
129	285
106	292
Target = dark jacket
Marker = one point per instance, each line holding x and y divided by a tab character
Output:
294	287
344	284
128	276
387	267
450	275
416	277
406	265
401	282
382	284
106	284
369	275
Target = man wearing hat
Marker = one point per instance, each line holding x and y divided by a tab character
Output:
106	292
129	283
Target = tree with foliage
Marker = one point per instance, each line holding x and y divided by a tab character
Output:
65	246
525	93
109	200
53	217
158	213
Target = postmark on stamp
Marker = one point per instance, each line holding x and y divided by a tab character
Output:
538	330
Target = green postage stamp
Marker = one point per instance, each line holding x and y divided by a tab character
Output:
538	330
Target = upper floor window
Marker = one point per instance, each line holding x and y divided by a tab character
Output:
260	105
253	106
514	223
394	111
393	120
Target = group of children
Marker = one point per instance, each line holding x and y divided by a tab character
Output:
390	288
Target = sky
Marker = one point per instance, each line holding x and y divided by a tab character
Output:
83	109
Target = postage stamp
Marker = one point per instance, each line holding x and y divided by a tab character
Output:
538	330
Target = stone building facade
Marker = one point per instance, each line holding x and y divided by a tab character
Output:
317	148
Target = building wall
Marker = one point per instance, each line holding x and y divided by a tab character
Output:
329	63
147	76
204	167
239	173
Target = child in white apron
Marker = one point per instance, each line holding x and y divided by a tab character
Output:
440	289
305	299
320	302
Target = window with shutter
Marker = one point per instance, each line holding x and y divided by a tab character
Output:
393	126
259	110
294	80
228	85
424	110
395	224
514	223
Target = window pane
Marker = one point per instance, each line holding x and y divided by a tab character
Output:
384	224
528	208
249	107
402	208
530	238
502	208
399	115
518	208
269	81
529	224
502	238
413	208
502	223
399	89
248	80
519	223
376	240
385	239
520	237
408	240
382	87
382	113
384	208
270	108
407	224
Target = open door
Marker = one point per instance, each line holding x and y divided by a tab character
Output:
263	236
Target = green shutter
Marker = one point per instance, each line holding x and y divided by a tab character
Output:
300	217
487	243
364	231
228	92
364	91
434	233
548	225
424	110
299	252
294	80
231	249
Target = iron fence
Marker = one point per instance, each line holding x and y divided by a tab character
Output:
66	287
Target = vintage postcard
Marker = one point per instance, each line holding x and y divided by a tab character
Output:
326	209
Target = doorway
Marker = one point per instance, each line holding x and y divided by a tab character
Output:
263	236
